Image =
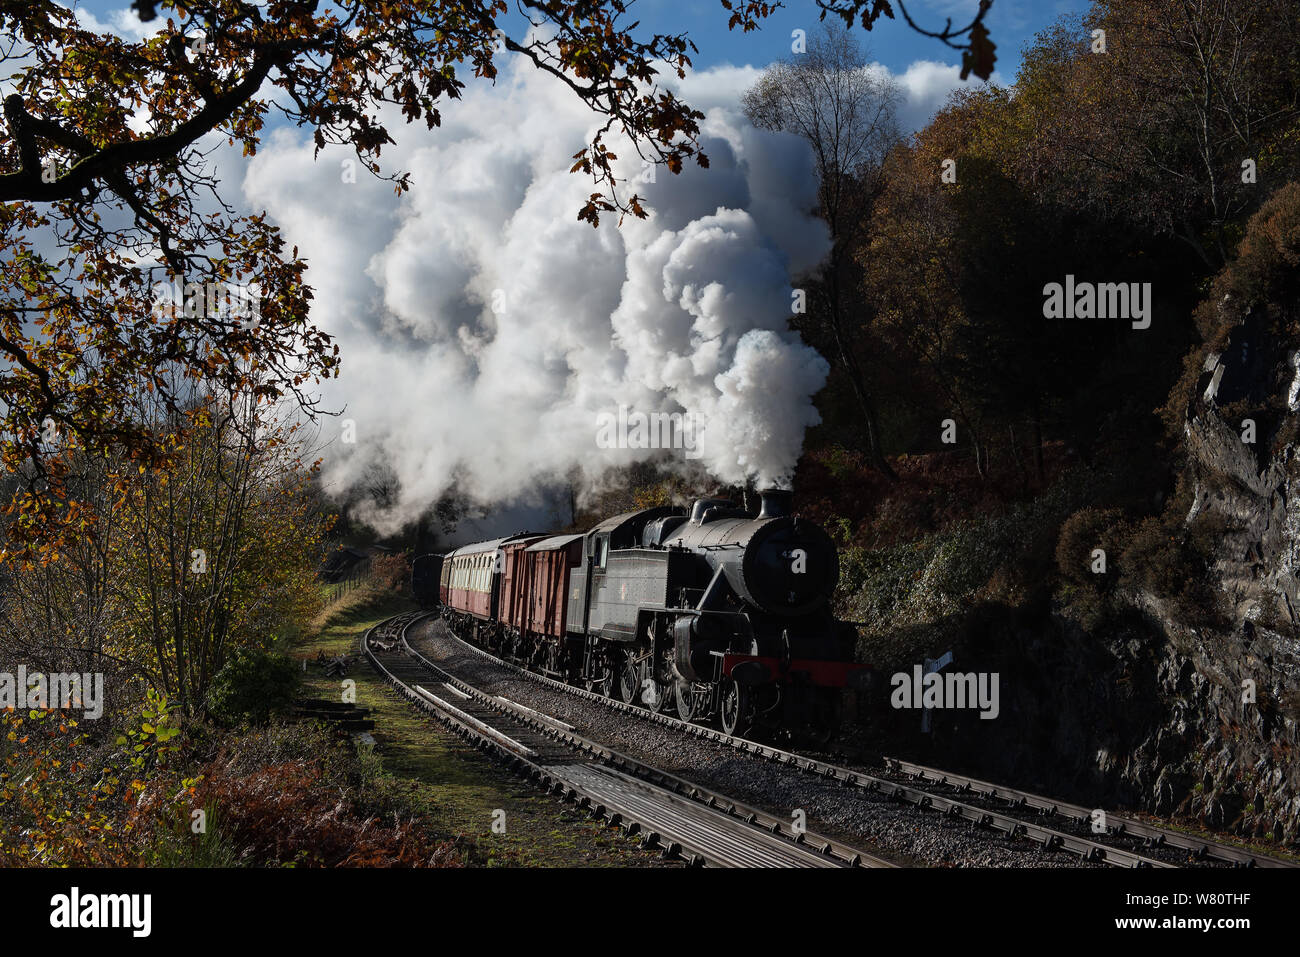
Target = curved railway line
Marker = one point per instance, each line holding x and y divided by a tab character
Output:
1055	826
681	818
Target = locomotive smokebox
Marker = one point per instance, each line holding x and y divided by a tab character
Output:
777	503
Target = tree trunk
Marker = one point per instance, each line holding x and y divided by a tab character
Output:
1019	460
1038	444
849	362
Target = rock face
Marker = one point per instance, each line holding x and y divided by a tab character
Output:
1244	762
1156	711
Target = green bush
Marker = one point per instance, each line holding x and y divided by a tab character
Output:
1083	532
1084	594
252	686
1173	563
999	557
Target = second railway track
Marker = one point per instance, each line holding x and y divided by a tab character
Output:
1056	826
681	818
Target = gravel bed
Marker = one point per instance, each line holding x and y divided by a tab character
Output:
896	831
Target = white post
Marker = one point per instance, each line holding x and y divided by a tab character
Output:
931	666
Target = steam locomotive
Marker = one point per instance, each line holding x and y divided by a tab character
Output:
716	612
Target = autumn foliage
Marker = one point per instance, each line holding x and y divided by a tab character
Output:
279	796
286	813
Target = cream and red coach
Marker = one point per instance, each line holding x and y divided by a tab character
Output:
468	586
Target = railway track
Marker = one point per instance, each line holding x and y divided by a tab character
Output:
1147	835
1056	826
679	817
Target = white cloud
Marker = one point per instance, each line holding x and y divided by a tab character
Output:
123	22
926	86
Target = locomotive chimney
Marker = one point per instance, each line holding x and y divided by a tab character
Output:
776	503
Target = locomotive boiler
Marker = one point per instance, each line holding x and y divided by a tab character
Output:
713	612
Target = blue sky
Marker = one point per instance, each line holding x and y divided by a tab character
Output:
729	61
1011	22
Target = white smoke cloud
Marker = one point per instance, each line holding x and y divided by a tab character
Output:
484	328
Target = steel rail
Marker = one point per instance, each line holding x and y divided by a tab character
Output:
1115	823
672	813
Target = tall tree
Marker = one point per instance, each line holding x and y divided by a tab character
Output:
219	549
847	112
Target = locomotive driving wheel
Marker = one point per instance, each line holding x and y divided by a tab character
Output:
736	709
656	694
657	686
629	680
684	699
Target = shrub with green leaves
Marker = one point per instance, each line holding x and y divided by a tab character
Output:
252	686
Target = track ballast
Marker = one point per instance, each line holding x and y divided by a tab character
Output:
675	815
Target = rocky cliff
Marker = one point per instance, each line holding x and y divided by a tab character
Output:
1239	765
1160	706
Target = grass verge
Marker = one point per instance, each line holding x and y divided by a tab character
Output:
451	785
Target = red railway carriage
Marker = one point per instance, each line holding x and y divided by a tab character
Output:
531	609
512	609
549	565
